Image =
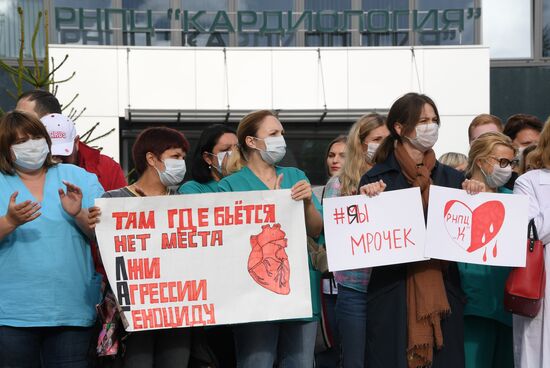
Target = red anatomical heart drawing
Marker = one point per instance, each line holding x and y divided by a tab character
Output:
268	262
475	229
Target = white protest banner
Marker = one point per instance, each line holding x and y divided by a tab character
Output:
486	228
191	260
382	230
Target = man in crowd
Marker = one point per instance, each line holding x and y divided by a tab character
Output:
484	123
66	144
524	130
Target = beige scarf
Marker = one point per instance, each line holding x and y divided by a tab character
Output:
427	300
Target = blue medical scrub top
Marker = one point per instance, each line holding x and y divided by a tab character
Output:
46	269
246	180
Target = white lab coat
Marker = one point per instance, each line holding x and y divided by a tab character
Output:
532	335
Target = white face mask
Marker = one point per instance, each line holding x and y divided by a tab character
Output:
220	157
173	173
426	136
275	149
371	150
499	177
30	155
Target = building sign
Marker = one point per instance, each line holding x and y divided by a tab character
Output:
96	26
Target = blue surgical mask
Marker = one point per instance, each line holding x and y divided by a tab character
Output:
174	171
31	154
275	149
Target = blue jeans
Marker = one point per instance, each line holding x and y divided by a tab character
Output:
291	344
46	347
351	316
331	357
158	348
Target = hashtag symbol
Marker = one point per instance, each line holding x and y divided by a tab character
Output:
338	216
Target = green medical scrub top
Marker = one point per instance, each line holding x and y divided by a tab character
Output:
194	187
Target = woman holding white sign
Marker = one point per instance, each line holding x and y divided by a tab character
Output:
531	335
364	138
261	147
487	326
400	298
49	285
158	155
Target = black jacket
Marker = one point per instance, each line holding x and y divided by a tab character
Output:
386	294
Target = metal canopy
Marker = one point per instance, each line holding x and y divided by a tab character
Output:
234	116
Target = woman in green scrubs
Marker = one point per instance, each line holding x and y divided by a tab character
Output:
209	158
261	147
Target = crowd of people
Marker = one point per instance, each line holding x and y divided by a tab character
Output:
423	314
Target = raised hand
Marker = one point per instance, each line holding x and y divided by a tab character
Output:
278	181
19	214
71	201
301	191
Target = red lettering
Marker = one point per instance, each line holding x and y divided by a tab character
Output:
203	217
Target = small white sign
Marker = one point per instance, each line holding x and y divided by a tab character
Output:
486	228
383	230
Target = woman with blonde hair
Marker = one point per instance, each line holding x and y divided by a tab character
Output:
456	160
487	325
261	147
363	140
531	335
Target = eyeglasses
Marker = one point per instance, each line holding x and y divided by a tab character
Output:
504	162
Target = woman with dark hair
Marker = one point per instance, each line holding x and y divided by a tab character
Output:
334	160
209	159
261	147
414	310
158	155
49	286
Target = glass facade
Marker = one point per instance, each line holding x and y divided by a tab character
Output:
251	23
508	28
546	28
10	24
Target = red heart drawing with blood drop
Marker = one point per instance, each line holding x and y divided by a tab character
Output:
268	262
473	229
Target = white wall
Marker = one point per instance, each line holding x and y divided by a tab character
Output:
112	79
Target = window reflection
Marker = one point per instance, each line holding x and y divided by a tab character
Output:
336	35
398	35
252	36
546	29
507	28
448	30
10	28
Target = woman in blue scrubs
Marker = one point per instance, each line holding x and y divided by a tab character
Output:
49	286
261	147
209	159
